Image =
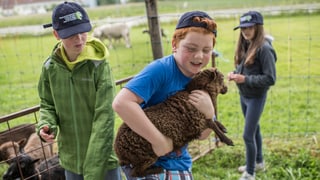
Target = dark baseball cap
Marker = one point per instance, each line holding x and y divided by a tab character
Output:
68	19
249	19
186	20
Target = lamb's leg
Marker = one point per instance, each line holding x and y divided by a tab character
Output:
219	129
154	170
145	168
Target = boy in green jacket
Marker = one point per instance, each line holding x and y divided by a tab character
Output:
76	90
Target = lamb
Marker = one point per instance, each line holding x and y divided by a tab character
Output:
33	148
27	166
17	133
49	169
9	147
9	150
113	32
175	118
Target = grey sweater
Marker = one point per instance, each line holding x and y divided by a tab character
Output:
261	74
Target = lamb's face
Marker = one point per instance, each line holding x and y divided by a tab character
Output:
26	164
8	150
210	80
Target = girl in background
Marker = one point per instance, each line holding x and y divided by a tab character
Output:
255	72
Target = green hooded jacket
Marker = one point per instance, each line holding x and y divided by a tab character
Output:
77	106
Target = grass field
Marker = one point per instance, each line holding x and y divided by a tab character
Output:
291	118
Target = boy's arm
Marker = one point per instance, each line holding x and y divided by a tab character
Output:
102	135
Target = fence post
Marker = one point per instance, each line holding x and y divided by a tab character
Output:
154	28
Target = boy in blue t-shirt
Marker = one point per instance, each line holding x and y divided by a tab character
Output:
192	44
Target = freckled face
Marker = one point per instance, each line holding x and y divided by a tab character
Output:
248	32
193	52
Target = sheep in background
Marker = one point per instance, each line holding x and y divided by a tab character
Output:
177	119
162	32
113	32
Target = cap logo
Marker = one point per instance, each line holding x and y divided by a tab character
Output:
246	18
71	17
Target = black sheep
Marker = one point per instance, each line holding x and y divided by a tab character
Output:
27	166
175	118
49	169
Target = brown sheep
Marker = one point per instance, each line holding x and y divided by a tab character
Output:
175	118
17	133
33	148
9	147
9	150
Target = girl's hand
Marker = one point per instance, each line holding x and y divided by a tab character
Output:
230	76
237	78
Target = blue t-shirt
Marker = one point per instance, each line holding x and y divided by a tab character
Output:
154	84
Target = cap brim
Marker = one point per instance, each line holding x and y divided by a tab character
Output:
77	29
244	25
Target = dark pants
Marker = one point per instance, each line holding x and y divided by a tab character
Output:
113	174
252	109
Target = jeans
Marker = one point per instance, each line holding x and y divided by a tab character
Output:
113	174
252	109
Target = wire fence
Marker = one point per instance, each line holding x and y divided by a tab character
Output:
292	107
292	99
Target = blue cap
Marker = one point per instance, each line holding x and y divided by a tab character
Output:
249	19
68	19
186	20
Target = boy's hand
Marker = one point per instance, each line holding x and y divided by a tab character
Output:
164	147
46	134
202	101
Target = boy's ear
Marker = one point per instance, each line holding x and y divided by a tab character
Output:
55	33
173	44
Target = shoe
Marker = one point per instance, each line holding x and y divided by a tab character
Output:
246	176
259	167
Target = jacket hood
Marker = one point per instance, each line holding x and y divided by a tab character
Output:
94	50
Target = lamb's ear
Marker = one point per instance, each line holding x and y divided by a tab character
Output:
1	156
22	141
224	90
36	160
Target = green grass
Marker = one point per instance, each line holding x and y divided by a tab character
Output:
291	115
294	159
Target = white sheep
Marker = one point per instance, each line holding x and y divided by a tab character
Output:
112	32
